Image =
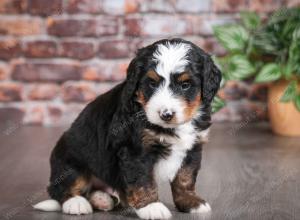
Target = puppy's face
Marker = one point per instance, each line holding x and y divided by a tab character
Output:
170	91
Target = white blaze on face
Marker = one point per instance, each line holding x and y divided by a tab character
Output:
170	58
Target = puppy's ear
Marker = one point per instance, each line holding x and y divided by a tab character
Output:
211	79
135	71
132	79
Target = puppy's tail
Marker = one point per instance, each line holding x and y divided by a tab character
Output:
49	205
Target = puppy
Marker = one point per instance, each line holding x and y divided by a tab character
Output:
150	126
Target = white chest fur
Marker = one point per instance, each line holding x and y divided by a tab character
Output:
167	168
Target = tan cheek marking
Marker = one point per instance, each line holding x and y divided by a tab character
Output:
191	108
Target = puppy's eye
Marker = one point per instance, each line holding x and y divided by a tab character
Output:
185	85
153	84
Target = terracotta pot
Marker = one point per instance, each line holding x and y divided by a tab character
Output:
284	117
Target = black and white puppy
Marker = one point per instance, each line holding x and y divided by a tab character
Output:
150	126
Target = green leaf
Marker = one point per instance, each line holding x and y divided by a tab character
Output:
239	67
297	102
217	104
231	37
290	92
250	20
294	55
296	33
269	73
287	70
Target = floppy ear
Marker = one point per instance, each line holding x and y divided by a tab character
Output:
210	83
211	79
131	83
135	71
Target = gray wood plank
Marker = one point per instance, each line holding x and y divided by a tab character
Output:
247	173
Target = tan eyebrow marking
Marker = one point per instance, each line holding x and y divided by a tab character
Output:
183	77
153	75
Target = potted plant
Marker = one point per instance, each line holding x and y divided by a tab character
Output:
268	51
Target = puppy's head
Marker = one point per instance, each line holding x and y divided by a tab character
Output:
171	80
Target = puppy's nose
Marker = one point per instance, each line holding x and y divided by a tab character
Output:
166	115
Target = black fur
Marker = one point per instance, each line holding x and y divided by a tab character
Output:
105	139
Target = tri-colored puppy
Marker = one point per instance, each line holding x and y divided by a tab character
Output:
150	126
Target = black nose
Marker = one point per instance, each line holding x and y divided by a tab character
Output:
167	115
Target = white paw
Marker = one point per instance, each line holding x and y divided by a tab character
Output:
102	201
203	208
155	210
77	205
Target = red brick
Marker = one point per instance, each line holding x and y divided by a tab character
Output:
78	50
105	71
45	7
133	26
292	3
40	49
43	91
147	41
234	90
45	72
3	71
120	7
114	49
258	92
203	25
35	115
197	23
167	6
193	6
113	7
55	113
10	92
13	6
159	25
212	46
104	87
131	6
229	5
84	6
19	26
82	27
9	48
78	92
63	114
71	27
264	5
244	112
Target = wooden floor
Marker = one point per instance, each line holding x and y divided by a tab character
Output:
247	173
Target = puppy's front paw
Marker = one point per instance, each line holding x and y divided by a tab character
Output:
202	208
155	210
77	205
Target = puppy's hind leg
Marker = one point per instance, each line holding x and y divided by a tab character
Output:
76	203
69	187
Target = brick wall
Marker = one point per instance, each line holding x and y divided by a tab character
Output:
57	55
